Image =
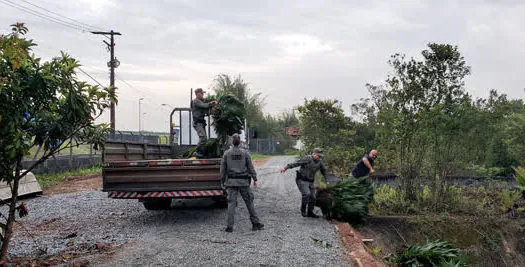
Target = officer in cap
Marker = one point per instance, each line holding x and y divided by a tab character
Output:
199	109
309	165
237	172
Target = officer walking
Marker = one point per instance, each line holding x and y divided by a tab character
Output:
305	179
199	109
236	174
365	166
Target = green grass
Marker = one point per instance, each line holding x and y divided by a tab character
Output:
81	149
47	180
292	152
260	156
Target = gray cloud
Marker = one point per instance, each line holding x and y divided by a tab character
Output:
288	50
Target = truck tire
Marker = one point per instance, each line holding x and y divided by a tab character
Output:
221	202
157	204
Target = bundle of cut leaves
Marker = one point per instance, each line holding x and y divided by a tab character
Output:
210	150
346	200
435	253
228	116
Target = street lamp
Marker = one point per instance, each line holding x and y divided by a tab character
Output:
171	107
140	113
143	123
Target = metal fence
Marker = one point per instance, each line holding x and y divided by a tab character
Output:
137	137
263	146
61	163
84	156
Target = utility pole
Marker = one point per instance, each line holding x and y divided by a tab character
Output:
112	64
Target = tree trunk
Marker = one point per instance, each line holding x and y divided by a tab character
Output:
12	214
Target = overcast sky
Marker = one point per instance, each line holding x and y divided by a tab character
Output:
288	50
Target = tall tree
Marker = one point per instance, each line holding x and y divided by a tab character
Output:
253	102
324	124
420	108
41	104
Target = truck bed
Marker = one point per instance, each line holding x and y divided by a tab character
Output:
134	170
162	175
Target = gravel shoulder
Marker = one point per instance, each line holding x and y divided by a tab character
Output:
191	233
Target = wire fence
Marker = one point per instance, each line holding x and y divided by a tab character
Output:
85	156
263	146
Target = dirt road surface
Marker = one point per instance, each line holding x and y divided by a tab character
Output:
190	233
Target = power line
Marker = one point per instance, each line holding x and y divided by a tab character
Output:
87	74
74	20
44	16
141	93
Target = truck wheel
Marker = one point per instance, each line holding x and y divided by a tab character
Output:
157	204
222	202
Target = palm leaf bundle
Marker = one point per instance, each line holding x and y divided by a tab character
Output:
434	253
347	200
228	116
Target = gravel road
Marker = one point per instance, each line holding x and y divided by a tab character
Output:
191	233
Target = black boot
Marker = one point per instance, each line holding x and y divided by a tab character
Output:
303	210
257	226
311	214
229	229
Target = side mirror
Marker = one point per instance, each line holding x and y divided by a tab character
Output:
254	133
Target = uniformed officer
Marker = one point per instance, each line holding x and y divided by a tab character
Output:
237	171
305	179
199	109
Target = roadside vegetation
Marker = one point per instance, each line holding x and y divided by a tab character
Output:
48	180
450	166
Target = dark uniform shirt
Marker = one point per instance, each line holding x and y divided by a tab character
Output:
237	168
199	109
309	168
361	169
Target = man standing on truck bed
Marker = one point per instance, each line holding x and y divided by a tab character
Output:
365	166
199	109
237	172
305	179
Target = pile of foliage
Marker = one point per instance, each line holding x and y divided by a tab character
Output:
435	253
211	149
228	119
346	201
228	115
261	125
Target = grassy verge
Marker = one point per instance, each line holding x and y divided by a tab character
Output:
292	152
259	156
47	180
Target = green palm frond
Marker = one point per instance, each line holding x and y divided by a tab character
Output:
347	200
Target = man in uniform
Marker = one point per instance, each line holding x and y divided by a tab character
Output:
199	109
305	179
237	173
365	166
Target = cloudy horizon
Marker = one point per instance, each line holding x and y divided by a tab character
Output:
287	50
